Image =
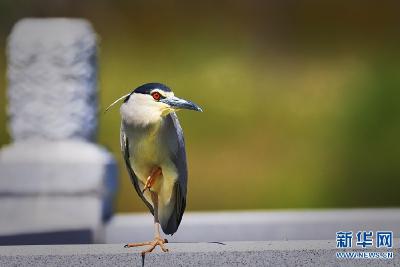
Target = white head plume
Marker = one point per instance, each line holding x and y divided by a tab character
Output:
116	101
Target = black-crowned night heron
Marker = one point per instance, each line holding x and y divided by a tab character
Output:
153	147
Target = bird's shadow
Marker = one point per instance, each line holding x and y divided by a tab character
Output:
211	242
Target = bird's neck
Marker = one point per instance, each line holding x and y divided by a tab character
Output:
144	128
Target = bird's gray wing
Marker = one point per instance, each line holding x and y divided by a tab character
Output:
125	153
176	146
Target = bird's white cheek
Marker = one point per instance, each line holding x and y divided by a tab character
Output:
156	108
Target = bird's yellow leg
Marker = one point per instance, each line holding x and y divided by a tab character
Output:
151	179
158	241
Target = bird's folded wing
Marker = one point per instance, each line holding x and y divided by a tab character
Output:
176	145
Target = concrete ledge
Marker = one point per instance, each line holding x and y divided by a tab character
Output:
263	253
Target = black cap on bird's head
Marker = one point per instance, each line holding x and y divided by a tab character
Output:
147	88
162	94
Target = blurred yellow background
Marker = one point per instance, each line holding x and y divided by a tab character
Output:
301	99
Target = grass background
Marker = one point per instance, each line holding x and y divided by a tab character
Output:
301	98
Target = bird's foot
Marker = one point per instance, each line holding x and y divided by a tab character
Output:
158	241
151	179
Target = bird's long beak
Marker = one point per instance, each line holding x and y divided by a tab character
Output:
179	103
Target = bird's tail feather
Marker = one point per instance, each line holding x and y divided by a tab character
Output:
176	207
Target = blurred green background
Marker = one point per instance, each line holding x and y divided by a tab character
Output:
301	98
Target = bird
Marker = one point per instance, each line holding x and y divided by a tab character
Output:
153	148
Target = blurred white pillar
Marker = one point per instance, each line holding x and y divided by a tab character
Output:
53	177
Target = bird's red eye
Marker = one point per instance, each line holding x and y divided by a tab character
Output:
156	96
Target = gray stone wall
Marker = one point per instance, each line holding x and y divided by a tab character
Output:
313	224
53	177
